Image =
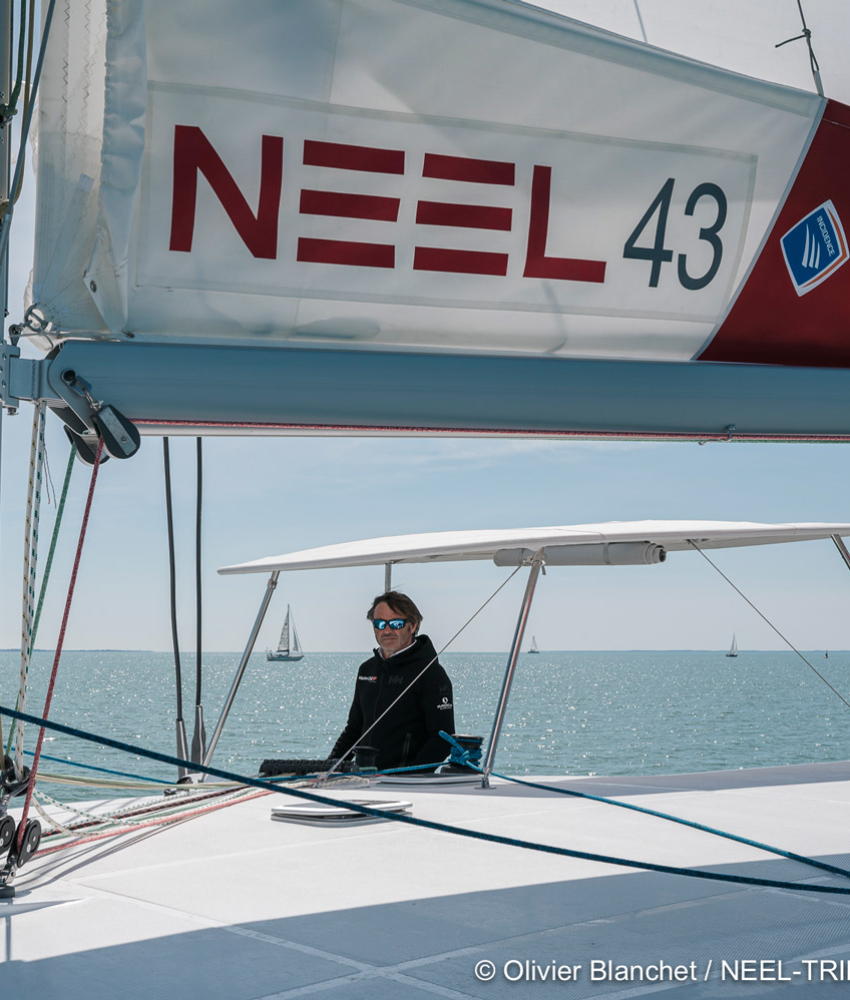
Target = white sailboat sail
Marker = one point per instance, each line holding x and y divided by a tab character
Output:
288	647
733	649
388	174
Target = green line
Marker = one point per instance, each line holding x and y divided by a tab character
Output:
59	511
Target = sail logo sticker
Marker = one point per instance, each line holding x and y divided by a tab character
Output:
815	248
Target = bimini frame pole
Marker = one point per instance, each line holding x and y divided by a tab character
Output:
842	549
536	563
243	663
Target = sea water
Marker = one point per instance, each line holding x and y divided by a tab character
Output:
605	713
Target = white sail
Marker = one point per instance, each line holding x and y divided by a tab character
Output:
295	645
283	642
343	170
336	184
288	647
733	649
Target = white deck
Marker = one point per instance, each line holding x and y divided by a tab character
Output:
234	906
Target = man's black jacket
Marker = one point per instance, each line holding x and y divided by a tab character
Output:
409	733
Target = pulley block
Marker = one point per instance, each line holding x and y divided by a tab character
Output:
120	437
84	451
32	838
7	833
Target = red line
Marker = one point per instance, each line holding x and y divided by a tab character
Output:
81	825
345	252
60	642
163	821
441	213
463	168
459	261
347	157
349	206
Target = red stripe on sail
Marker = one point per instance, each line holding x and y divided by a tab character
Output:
439	213
349	206
465	168
769	323
349	157
460	261
345	252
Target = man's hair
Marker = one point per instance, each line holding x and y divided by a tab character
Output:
400	603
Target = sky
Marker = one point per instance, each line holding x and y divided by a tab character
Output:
270	496
275	495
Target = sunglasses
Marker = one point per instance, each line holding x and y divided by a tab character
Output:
394	623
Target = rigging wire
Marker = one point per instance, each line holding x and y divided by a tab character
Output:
199	736
47	567
49	489
807	34
198	602
469	620
175	641
25	128
640	21
10	109
22	151
767	621
60	642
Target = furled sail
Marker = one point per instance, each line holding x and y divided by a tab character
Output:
457	179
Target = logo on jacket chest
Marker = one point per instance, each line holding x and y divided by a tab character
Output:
395	679
365	677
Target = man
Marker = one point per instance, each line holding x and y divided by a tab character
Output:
408	734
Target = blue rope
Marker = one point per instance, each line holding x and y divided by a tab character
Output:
464	756
106	770
461	756
415	767
413	820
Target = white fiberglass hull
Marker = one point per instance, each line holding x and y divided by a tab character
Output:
234	905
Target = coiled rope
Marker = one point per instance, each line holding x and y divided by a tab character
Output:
424	823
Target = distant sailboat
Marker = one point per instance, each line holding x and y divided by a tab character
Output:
733	649
534	648
288	648
826	654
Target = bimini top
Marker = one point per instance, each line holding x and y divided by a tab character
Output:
611	543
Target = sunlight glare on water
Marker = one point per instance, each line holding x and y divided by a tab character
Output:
605	713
